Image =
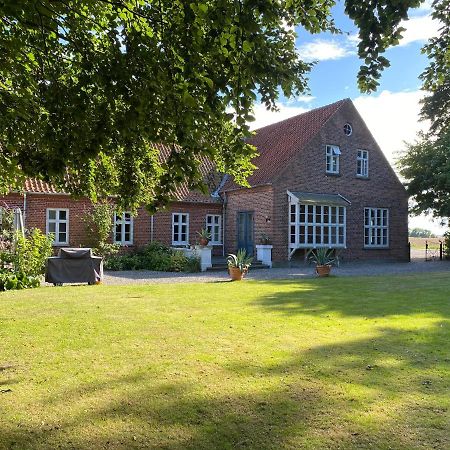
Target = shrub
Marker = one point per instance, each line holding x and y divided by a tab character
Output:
10	280
30	252
155	256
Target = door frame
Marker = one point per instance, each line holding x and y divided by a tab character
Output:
252	212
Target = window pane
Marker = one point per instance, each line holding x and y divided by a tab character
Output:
52	214
62	237
62	215
52	227
62	227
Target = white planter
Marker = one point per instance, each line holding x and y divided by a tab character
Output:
264	254
204	253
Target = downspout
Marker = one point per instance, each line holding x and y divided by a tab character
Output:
151	228
223	222
24	215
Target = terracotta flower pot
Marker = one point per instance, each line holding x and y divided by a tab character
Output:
203	242
323	271
235	273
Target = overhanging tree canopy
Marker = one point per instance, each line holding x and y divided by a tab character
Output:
88	86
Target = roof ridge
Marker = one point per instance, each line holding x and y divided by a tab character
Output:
342	101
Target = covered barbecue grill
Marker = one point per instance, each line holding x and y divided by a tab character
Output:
74	265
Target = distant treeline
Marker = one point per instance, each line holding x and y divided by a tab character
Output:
421	233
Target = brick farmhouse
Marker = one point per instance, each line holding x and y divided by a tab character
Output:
321	181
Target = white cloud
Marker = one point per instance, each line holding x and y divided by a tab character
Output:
392	117
425	6
420	28
301	99
264	117
321	50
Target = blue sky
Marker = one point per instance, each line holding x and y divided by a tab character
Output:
392	113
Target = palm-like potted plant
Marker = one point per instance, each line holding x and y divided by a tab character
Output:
323	258
238	264
204	237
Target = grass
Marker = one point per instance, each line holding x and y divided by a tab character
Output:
315	364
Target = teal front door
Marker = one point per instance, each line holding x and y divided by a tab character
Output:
245	234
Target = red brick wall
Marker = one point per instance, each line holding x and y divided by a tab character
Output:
162	221
257	200
306	172
37	204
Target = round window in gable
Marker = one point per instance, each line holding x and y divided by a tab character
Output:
348	129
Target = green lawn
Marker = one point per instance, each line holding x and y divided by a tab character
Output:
316	364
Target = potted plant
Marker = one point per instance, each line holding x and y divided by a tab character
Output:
238	264
323	258
264	239
204	236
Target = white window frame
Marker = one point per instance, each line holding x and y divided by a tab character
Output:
332	158
57	221
348	126
216	222
362	162
376	228
180	224
121	220
299	222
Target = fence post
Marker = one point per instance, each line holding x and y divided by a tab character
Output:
441	251
409	251
426	250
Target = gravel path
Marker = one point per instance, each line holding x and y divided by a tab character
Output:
346	269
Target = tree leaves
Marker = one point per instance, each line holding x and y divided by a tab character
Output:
88	87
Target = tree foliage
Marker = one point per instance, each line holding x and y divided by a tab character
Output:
426	163
421	233
426	166
87	87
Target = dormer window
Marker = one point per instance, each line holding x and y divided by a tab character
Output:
348	130
332	159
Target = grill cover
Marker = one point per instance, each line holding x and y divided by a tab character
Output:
74	265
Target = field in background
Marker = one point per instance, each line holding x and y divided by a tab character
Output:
419	243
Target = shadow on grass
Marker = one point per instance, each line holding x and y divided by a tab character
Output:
380	392
366	297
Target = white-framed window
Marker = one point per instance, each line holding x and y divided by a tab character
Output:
332	158
376	227
123	228
57	223
180	228
313	226
362	163
214	227
348	130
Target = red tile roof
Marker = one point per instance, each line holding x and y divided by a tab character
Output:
278	142
182	193
40	187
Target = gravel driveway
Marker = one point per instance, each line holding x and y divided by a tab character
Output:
346	269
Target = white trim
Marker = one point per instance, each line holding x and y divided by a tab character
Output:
364	158
122	221
212	225
179	223
378	228
346	124
57	221
332	159
330	230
